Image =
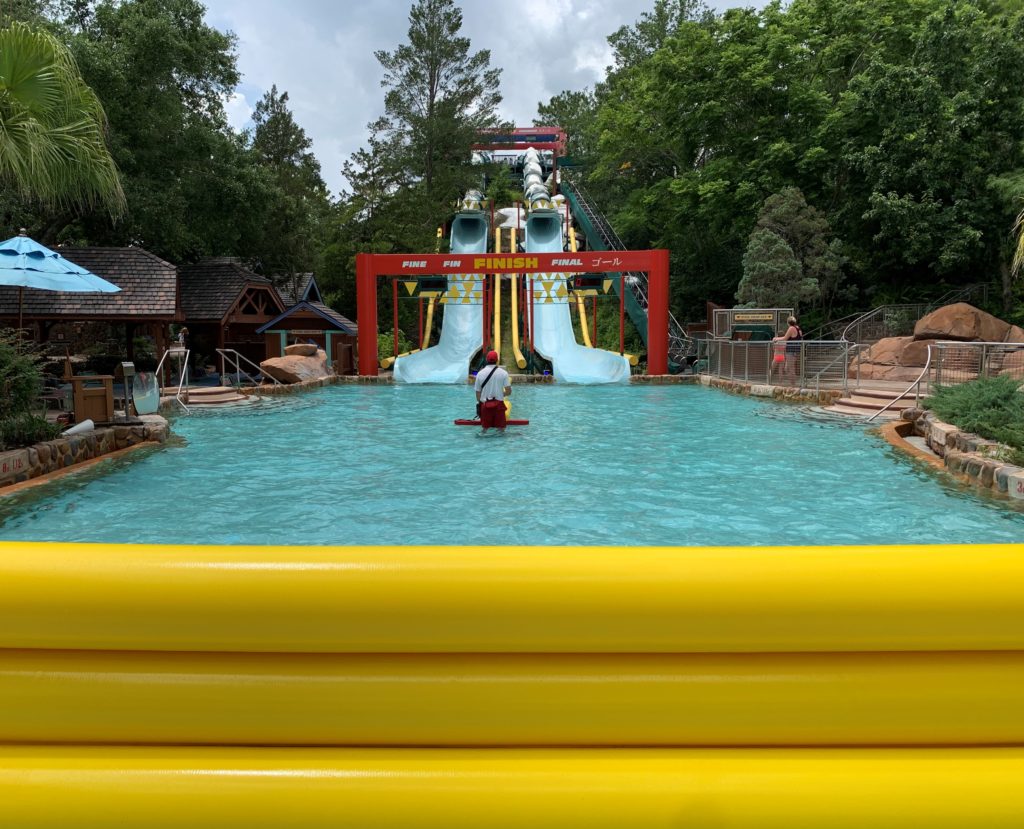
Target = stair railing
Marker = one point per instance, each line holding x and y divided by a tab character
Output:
680	344
231	357
915	387
182	375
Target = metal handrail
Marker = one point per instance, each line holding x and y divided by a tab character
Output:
955	295
843	355
182	377
917	383
232	357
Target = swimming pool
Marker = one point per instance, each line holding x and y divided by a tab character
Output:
616	465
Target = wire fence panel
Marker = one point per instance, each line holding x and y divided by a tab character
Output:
955	363
811	364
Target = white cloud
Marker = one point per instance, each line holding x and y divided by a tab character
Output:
238	110
321	53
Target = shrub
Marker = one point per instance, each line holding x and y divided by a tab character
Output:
20	376
20	383
386	344
25	429
992	407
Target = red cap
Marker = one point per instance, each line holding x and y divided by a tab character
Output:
492	356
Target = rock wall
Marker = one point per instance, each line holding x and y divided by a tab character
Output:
982	462
18	465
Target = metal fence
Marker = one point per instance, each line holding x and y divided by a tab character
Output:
807	364
953	363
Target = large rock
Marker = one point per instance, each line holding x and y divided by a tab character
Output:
1014	335
886	352
915	353
874	371
297	369
300	350
1013	365
961	321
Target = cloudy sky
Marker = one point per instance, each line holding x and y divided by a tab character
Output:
321	53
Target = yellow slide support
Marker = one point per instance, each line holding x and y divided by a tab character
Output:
517	352
542	687
429	324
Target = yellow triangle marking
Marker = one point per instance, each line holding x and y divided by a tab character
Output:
548	284
608	285
443	300
410	287
466	300
561	291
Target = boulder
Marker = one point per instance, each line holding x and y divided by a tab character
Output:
300	350
886	352
297	369
1013	365
872	371
915	353
1014	335
961	321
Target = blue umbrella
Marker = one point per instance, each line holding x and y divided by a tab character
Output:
27	264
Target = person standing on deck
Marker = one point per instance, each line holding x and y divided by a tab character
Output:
492	386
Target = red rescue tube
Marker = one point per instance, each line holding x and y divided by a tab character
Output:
477	422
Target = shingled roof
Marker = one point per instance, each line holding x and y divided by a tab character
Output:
299	287
210	288
340	322
148	284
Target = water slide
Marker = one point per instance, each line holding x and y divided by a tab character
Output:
553	335
462	325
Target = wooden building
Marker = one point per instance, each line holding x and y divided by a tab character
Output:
146	305
224	306
309	320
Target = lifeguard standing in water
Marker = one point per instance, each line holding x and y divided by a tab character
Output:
492	387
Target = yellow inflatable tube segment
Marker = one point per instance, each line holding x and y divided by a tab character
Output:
511	599
504	700
164	788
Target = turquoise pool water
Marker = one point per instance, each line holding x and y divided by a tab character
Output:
639	465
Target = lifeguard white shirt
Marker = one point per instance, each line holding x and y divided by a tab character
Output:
494	388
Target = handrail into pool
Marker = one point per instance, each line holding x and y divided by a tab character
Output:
426	687
234	358
182	375
917	392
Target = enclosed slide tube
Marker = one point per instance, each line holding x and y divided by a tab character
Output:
462	322
458	687
553	335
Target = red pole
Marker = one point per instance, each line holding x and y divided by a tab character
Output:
366	314
593	323
657	314
622	313
394	309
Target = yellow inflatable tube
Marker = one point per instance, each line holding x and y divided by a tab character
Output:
165	788
511	599
488	700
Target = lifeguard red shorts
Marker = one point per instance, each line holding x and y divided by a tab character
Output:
492	414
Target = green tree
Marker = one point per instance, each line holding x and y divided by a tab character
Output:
574	112
299	203
772	276
52	147
439	96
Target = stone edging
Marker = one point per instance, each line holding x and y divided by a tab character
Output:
59	454
387	379
973	458
783	394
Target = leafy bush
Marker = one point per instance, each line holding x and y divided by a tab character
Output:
992	407
25	429
20	383
386	344
20	376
